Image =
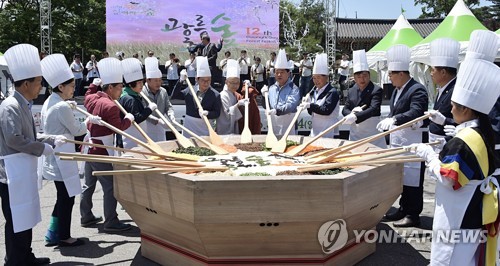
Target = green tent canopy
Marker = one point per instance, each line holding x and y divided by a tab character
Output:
400	33
458	25
498	31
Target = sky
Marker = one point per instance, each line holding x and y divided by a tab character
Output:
381	9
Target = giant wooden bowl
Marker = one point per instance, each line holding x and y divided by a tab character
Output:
196	220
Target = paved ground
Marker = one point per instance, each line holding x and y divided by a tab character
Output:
124	248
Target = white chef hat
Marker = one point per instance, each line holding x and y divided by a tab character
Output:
152	70
281	61
398	58
55	69
110	70
477	85
360	63
444	52
202	68
483	44
23	61
233	69
132	69
321	65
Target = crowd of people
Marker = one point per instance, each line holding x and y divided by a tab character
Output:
461	120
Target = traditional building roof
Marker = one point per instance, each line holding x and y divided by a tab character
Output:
348	28
354	34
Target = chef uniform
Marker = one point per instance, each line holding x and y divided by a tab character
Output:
324	102
367	118
19	150
443	53
283	99
227	122
155	127
408	102
102	104
210	102
132	101
466	191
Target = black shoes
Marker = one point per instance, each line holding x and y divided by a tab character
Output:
40	261
408	221
394	216
94	220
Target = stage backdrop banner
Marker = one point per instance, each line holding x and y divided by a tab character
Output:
166	26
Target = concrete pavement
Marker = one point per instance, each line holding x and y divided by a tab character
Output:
124	248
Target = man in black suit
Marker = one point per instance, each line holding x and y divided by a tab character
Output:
444	62
409	101
363	102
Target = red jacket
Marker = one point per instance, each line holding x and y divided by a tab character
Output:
102	105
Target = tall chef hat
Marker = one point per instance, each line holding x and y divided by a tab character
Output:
281	61
55	69
320	65
202	68
483	44
23	61
477	85
233	69
152	70
360	63
110	70
398	58
132	69
444	52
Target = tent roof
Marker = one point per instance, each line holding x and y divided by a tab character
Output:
498	31
458	25
401	33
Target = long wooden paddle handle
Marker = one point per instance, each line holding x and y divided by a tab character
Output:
268	116
292	123
198	103
160	115
139	128
192	134
116	130
247	103
113	148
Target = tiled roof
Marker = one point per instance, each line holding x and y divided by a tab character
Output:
349	28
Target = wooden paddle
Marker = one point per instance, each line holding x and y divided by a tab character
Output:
150	142
125	160
280	146
183	141
123	133
215	148
246	134
358	143
214	138
161	170
301	147
270	137
168	155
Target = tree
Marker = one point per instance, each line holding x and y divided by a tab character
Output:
77	26
488	15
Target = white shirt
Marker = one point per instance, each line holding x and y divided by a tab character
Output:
270	66
306	72
399	91
346	64
92	72
190	68
440	90
244	63
223	66
77	70
258	72
172	73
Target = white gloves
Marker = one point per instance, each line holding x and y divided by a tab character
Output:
264	89
350	118
203	113
305	105
450	130
59	140
152	106
271	112
423	151
417	125
47	150
306	100
385	124
72	104
357	109
130	117
93	119
172	117
436	117
242	102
